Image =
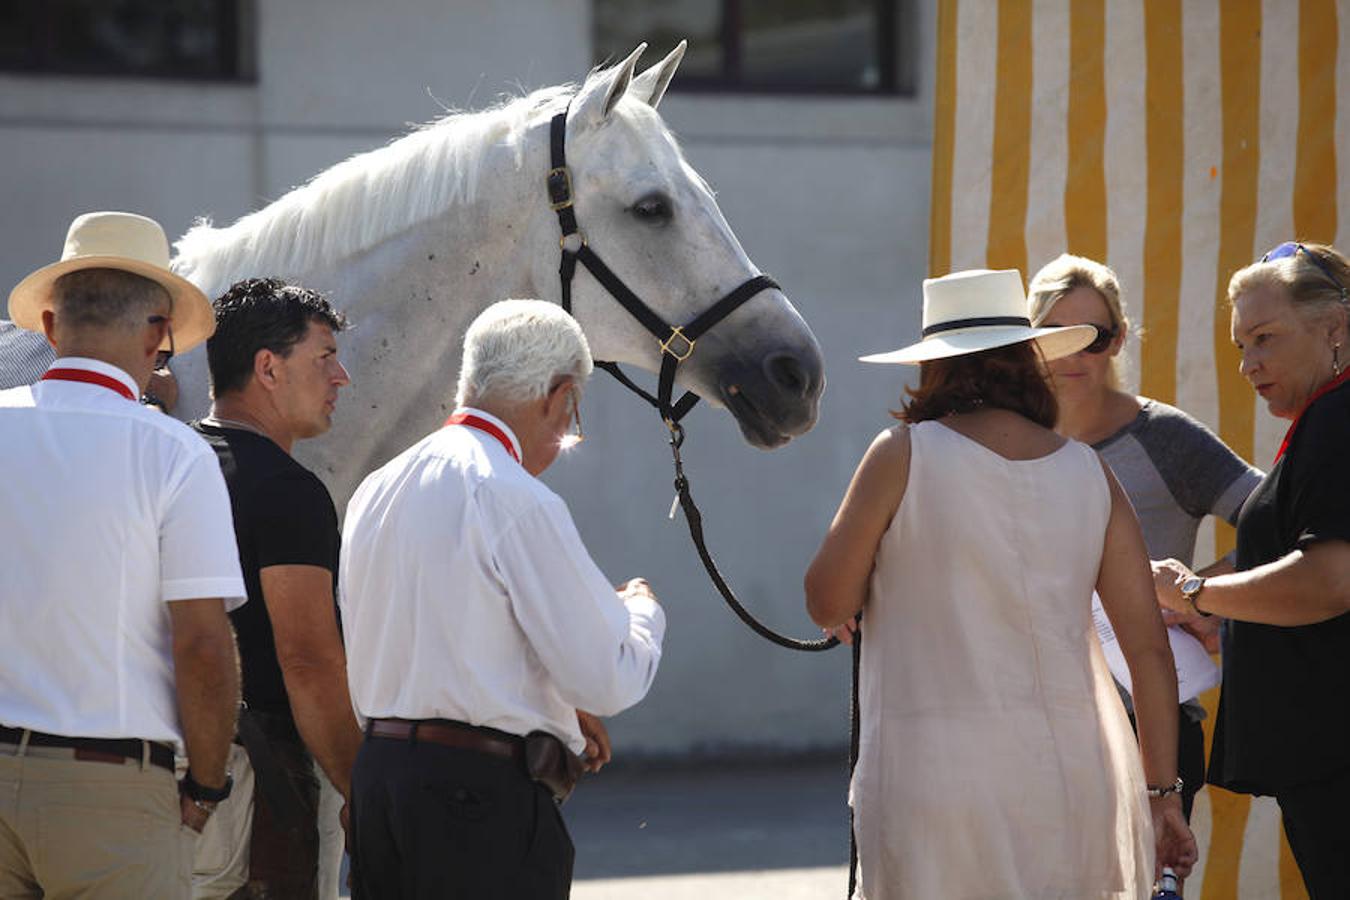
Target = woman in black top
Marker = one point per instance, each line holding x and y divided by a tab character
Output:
1283	725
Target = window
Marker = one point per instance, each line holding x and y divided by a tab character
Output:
188	39
768	46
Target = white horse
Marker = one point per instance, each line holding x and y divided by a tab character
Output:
411	241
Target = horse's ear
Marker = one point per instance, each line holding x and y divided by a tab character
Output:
651	85
603	90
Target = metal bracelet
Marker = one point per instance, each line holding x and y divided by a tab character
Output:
1173	788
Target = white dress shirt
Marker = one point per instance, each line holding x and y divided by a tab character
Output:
108	511
467	594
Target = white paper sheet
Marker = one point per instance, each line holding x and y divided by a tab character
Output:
1196	671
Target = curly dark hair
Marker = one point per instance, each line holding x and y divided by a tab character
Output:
1011	378
261	314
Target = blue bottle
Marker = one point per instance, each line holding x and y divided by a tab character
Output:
1167	887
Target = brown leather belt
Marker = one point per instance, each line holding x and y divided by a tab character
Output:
106	750
463	737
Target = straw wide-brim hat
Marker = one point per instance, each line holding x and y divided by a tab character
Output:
980	309
125	241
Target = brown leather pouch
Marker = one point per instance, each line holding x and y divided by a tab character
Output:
549	762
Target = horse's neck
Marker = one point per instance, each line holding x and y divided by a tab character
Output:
410	302
410	299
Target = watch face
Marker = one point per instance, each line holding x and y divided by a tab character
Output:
1192	585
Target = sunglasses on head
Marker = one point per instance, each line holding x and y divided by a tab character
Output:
1102	341
1293	248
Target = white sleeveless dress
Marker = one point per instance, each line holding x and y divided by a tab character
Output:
996	761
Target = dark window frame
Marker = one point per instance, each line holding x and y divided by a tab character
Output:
235	56
896	54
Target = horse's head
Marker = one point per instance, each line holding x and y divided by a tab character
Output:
654	221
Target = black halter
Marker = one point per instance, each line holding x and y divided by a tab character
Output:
676	341
677	345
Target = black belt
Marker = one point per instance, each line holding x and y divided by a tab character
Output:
111	750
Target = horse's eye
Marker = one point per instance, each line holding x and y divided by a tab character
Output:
653	208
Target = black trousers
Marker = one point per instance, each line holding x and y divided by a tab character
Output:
1314	822
1190	757
430	821
1190	760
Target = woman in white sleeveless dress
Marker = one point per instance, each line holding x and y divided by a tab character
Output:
996	761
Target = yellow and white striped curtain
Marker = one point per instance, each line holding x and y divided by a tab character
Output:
1175	140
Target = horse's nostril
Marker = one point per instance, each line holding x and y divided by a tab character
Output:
787	373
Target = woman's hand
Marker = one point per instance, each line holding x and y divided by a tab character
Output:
1168	576
844	632
1175	843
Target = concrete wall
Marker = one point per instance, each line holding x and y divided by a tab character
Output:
830	195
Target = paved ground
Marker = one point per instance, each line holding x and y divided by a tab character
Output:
712	831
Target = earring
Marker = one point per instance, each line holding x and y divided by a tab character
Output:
1336	359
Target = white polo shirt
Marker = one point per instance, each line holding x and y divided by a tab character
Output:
467	594
108	511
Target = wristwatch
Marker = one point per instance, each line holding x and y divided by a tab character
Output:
200	794
1190	589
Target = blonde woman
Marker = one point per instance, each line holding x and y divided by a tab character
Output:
995	759
1174	470
1282	727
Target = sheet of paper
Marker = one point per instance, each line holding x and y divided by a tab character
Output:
1196	671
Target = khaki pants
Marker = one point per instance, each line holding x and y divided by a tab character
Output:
72	828
221	865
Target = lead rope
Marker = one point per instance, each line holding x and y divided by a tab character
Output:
559	185
855	736
695	520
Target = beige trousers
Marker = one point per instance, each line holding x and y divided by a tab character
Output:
221	865
92	830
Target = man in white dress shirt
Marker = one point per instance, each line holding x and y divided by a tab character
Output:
119	558
478	627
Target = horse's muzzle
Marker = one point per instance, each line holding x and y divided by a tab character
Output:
777	400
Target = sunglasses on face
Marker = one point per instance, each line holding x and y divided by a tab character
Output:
1293	248
163	356
1102	341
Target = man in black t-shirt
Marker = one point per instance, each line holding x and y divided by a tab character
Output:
275	377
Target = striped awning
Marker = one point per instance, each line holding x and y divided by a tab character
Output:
1175	140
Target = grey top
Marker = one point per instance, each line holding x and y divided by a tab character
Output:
24	355
1175	472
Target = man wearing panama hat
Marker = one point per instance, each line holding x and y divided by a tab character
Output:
118	550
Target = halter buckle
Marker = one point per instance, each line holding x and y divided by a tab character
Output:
666	347
559	182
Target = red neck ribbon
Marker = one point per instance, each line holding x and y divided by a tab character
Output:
469	420
1324	389
87	377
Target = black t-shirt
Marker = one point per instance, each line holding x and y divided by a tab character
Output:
1283	718
283	515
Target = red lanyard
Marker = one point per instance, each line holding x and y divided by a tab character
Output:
469	420
88	377
1326	388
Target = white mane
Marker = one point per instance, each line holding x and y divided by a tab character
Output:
363	200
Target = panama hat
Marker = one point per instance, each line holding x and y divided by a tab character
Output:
966	312
130	243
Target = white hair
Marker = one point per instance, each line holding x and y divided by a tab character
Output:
516	350
366	199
